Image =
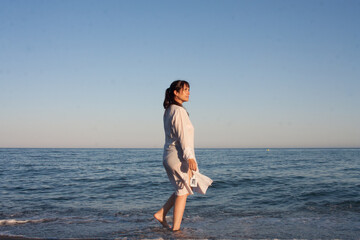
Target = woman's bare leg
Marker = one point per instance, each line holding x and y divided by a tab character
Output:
161	214
179	208
180	203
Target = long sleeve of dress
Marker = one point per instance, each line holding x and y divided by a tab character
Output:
184	131
179	131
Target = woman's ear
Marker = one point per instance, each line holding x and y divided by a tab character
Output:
176	93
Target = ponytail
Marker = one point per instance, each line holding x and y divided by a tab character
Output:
167	101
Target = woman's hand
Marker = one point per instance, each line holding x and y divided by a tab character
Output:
192	164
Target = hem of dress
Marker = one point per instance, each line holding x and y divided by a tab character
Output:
179	195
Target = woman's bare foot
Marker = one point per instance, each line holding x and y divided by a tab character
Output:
161	218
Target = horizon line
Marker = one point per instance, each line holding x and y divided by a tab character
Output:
195	148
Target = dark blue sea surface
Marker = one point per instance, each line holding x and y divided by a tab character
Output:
113	193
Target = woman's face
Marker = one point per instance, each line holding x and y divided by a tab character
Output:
183	95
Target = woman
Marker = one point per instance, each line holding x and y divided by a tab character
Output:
179	156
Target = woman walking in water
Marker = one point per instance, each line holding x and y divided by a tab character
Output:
179	155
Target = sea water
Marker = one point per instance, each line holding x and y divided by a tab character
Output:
113	193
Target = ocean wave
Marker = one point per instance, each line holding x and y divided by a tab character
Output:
327	206
246	182
7	222
66	220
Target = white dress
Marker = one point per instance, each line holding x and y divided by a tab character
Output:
178	148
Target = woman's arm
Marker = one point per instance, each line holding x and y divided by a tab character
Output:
184	131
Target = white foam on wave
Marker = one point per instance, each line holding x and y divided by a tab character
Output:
6	222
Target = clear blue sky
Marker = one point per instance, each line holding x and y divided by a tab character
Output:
262	73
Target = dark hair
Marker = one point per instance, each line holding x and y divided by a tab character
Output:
169	93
